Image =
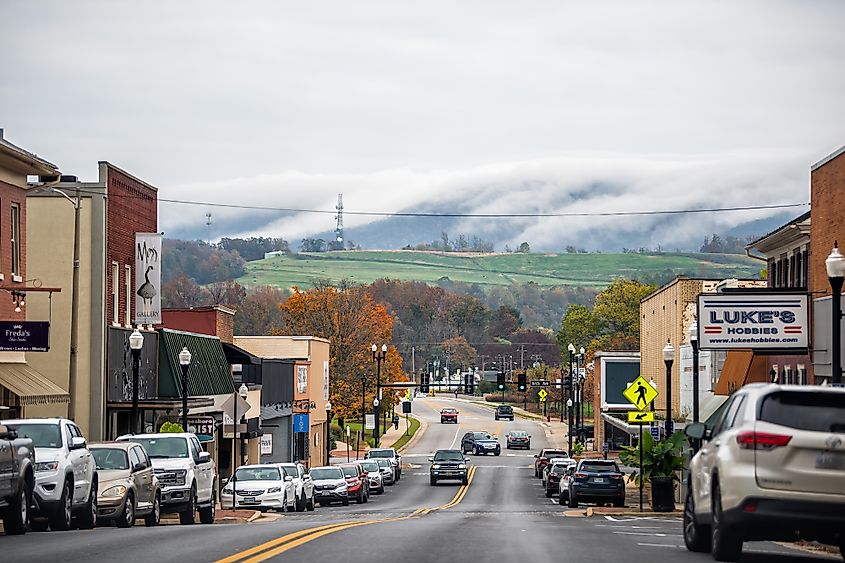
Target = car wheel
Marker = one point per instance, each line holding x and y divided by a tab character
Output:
188	516
619	503
127	518
17	515
563	499
573	501
88	519
498	452
366	498
548	493
433	481
359	498
154	517
696	538
381	489
61	518
465	480
300	503
309	504
725	545
346	502
208	513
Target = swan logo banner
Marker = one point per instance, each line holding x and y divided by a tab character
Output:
147	278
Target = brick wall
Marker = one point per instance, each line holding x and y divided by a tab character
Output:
9	195
132	207
827	197
225	326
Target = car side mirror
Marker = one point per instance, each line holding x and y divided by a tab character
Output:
431	459
306	477
466	460
205	457
537	456
138	467
77	443
7	434
696	431
288	478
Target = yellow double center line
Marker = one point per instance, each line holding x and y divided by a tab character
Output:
280	545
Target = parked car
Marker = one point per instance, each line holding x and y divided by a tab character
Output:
329	485
563	486
554	474
357	484
544	474
448	415
17	480
374	474
542	459
127	488
504	412
518	439
392	455
388	474
65	473
597	480
772	467
480	443
260	486
448	464
303	487
184	471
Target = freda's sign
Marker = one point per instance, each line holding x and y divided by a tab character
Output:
24	336
752	320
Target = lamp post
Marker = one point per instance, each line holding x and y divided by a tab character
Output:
573	391
693	340
378	358
835	265
136	342
185	362
581	380
243	392
569	433
328	432
668	358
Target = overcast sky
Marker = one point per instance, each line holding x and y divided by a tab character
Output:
400	105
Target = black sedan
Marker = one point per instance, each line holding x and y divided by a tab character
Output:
599	481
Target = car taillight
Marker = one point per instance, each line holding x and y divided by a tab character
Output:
580	475
616	475
761	440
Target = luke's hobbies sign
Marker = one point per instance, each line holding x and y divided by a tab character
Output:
24	336
752	320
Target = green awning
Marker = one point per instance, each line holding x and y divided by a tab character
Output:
209	372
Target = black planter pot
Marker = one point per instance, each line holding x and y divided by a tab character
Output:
662	494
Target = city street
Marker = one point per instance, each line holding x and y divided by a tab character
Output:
502	515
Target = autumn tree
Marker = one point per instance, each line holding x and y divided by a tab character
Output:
258	313
459	352
229	293
352	321
182	292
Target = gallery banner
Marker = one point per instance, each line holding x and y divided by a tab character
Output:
147	278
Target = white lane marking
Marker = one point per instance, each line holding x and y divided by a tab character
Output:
653	534
659	545
511	455
457	431
632	527
639	518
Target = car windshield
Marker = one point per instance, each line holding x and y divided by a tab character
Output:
380	453
350	471
290	471
323	473
449	455
370	465
558	469
599	467
110	458
482	436
815	412
554	453
383	463
162	448
42	435
258	474
505	408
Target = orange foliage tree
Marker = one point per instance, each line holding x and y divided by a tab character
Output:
352	321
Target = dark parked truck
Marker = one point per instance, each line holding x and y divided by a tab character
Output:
17	480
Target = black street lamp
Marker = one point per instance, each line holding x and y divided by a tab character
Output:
581	379
185	362
378	358
693	340
835	265
136	342
569	433
668	359
328	432
571	349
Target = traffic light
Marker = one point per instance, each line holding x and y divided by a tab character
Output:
500	381
520	381
424	383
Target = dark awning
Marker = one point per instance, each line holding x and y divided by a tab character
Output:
209	372
236	355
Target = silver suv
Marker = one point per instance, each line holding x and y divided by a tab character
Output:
772	467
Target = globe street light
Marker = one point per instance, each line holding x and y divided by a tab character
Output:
185	362
378	357
668	359
835	265
136	342
581	379
328	432
569	432
573	384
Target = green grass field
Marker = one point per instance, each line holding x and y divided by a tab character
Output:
589	270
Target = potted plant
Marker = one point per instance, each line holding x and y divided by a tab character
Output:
577	450
661	462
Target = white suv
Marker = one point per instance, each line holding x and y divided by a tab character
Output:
65	473
303	486
771	468
185	472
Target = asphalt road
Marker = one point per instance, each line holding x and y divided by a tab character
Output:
502	515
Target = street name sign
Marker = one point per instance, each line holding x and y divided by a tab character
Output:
639	417
640	393
539	383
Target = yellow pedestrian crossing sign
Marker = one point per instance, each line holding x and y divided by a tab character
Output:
542	393
638	416
640	393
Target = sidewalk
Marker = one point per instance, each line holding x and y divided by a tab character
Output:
389	438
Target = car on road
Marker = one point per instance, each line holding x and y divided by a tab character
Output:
448	415
480	443
65	473
329	485
596	480
518	439
554	474
357	484
448	465
375	476
542	459
772	467
552	462
184	471
303	487
563	485
260	486
388	453
388	472
504	412
17	480
127	488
